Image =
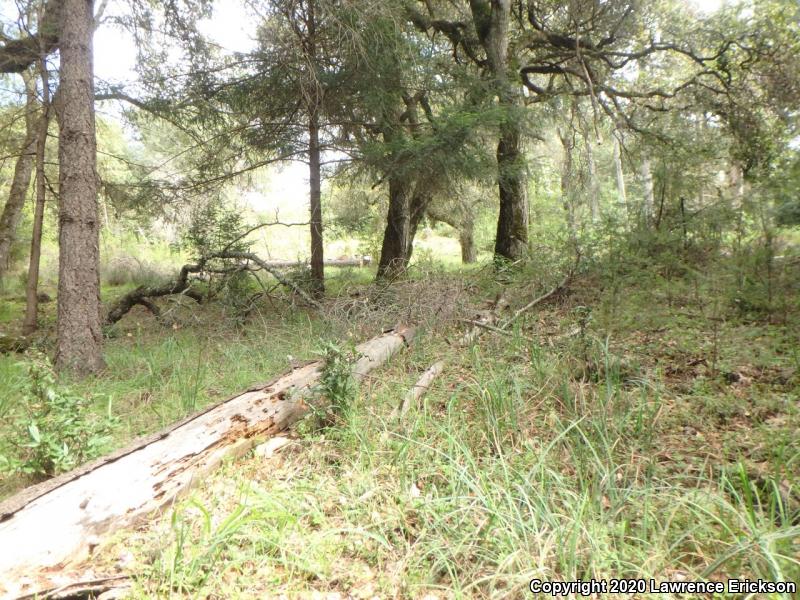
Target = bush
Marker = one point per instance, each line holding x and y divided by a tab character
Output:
124	270
58	430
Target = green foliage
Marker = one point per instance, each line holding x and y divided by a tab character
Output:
215	227
337	387
56	430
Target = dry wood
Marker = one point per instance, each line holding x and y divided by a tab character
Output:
486	317
182	285
420	389
496	330
60	521
94	588
544	297
338	262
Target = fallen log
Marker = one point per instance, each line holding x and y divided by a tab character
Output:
60	521
364	261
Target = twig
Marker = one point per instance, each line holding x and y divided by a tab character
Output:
494	329
80	589
418	390
276	274
564	283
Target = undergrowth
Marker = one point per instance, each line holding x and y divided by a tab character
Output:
581	446
642	425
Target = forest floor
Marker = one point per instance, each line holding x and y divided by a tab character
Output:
643	424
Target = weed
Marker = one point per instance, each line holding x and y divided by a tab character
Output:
337	388
57	429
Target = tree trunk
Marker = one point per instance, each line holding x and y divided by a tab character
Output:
567	196
620	175
394	250
512	222
649	192
29	324
61	520
491	20
420	201
466	237
79	336
315	180
594	188
12	212
462	220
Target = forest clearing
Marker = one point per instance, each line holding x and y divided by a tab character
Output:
427	299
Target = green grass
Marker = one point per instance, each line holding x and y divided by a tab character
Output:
499	478
656	442
593	456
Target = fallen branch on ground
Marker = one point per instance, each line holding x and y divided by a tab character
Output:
338	262
557	289
84	589
142	294
486	317
418	390
497	330
60	521
182	285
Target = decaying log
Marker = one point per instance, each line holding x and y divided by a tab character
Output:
59	521
420	388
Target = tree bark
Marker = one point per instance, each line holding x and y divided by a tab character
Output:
620	175
649	192
314	102
594	188
420	201
60	520
567	196
29	324
466	238
315	181
12	212
394	250
79	336
512	222
492	21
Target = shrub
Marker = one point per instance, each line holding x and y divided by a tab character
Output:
56	432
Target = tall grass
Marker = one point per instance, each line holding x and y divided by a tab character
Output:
492	483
